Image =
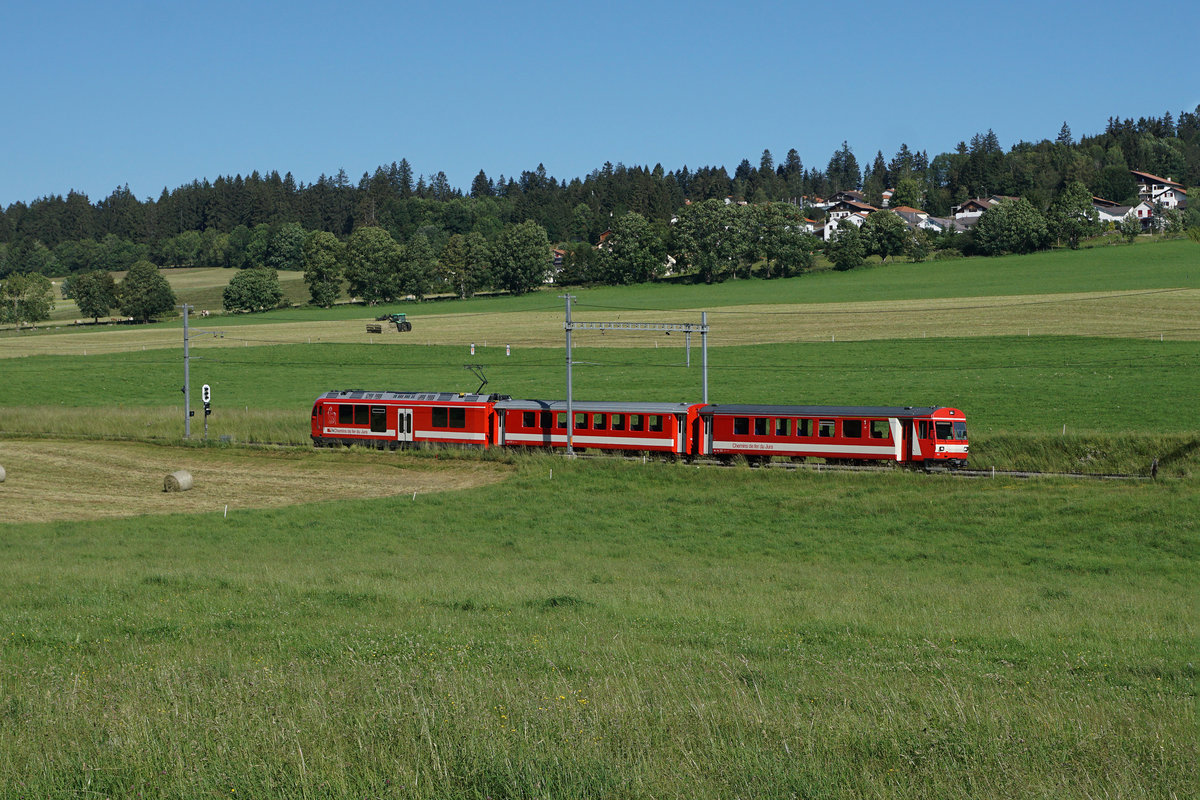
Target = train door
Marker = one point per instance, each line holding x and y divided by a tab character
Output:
500	417
921	431
404	429
896	428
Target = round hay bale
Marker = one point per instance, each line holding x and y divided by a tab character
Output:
1	474
178	481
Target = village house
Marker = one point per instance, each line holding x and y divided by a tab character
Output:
844	210
971	208
1107	211
1162	191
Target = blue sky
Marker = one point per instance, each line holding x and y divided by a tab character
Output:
157	94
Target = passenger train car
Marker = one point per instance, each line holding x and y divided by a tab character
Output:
909	435
838	433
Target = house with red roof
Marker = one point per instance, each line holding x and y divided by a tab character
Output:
1162	191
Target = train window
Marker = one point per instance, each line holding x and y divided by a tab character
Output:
825	428
599	422
852	428
923	429
618	422
440	418
784	427
762	426
636	422
345	415
656	422
528	419
361	415
880	429
561	420
960	429
741	426
314	411
545	419
945	430
378	419
458	418
580	421
804	427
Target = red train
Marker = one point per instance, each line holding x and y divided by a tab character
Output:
909	435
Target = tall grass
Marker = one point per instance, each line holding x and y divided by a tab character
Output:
616	630
1177	454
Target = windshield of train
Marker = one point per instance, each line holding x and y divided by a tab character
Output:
956	429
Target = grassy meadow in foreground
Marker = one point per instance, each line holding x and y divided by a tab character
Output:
605	633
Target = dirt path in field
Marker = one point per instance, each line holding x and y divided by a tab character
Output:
50	480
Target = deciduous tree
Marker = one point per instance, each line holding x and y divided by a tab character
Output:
710	239
521	257
324	256
1012	226
1072	216
252	290
145	293
1130	227
884	234
372	258
778	236
26	297
634	251
287	247
417	268
846	250
95	293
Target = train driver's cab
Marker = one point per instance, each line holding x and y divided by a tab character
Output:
951	430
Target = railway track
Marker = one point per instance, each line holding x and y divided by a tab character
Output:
958	473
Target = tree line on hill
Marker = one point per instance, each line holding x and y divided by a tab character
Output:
393	234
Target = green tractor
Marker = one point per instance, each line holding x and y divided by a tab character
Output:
399	320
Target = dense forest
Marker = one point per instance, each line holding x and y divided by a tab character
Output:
266	219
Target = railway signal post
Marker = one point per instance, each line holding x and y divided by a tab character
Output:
206	396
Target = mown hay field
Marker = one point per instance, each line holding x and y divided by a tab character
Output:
50	480
1164	313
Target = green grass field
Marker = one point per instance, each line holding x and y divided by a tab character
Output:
202	287
615	630
611	629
